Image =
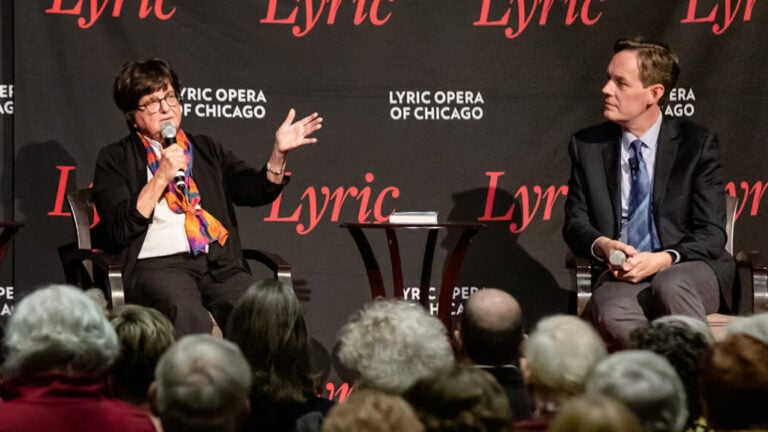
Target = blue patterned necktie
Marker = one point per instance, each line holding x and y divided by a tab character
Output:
639	226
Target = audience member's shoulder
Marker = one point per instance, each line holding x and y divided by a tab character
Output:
598	133
126	417
91	415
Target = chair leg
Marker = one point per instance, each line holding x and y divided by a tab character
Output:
216	329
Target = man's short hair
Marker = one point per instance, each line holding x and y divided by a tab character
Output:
561	352
372	411
483	344
647	384
465	398
144	335
657	63
392	343
735	384
59	328
202	384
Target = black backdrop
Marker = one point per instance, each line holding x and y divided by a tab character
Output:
518	77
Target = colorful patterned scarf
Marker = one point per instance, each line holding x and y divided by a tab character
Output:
201	227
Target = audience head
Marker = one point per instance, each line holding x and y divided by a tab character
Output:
268	325
464	398
755	325
693	324
491	328
372	411
59	329
391	344
647	384
201	384
685	346
559	355
592	413
144	335
735	384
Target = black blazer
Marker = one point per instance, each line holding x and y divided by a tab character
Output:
223	181
688	194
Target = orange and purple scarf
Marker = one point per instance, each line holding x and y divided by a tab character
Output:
201	227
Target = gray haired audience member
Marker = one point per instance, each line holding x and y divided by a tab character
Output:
754	325
559	355
59	346
489	335
391	344
735	384
201	385
464	399
372	411
594	413
647	384
685	342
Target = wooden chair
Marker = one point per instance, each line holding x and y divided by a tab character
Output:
751	279
87	266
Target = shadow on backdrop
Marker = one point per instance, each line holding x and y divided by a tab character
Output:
6	132
36	183
496	260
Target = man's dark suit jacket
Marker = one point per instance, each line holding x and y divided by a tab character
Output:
688	194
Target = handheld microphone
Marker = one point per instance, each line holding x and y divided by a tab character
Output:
617	258
168	130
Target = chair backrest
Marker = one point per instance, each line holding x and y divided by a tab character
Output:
731	204
81	207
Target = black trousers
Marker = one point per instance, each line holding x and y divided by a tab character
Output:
181	287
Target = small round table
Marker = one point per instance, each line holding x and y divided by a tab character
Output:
450	270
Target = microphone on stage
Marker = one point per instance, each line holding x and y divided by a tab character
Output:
633	165
168	130
617	258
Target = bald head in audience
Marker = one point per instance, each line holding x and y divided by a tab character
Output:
489	335
491	328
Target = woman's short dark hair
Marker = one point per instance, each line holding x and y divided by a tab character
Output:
268	325
140	78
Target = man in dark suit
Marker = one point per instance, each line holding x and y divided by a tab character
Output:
646	197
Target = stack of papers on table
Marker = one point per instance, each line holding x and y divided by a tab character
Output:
427	217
